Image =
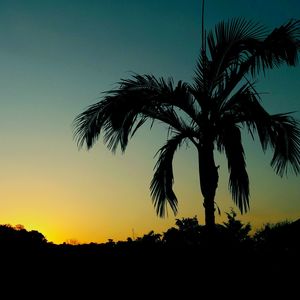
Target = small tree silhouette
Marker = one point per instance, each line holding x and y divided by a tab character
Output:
235	228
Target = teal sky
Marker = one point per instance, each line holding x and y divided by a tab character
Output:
58	56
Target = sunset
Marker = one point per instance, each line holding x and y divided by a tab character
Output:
58	57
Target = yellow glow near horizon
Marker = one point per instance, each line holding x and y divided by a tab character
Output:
95	196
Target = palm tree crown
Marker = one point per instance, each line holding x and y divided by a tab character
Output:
209	113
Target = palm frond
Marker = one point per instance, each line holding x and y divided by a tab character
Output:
243	106
250	52
161	92
238	177
113	116
88	124
284	137
280	132
230	44
126	109
201	71
161	185
280	46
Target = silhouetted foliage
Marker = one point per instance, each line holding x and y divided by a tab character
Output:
12	238
209	113
271	255
151	238
187	233
282	236
236	229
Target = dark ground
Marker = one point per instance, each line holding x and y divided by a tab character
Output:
186	266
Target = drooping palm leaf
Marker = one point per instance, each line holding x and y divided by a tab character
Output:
161	185
280	46
285	140
279	132
238	177
124	110
160	92
88	125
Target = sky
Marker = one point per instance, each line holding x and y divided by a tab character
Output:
59	56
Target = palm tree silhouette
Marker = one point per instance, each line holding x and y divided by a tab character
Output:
209	113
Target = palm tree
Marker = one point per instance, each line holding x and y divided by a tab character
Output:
209	113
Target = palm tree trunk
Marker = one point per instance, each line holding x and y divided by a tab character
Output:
208	173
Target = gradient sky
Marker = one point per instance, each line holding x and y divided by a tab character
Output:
58	56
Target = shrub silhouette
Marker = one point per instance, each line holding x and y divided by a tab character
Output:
188	232
12	238
281	236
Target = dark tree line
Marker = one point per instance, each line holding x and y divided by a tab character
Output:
176	260
187	233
